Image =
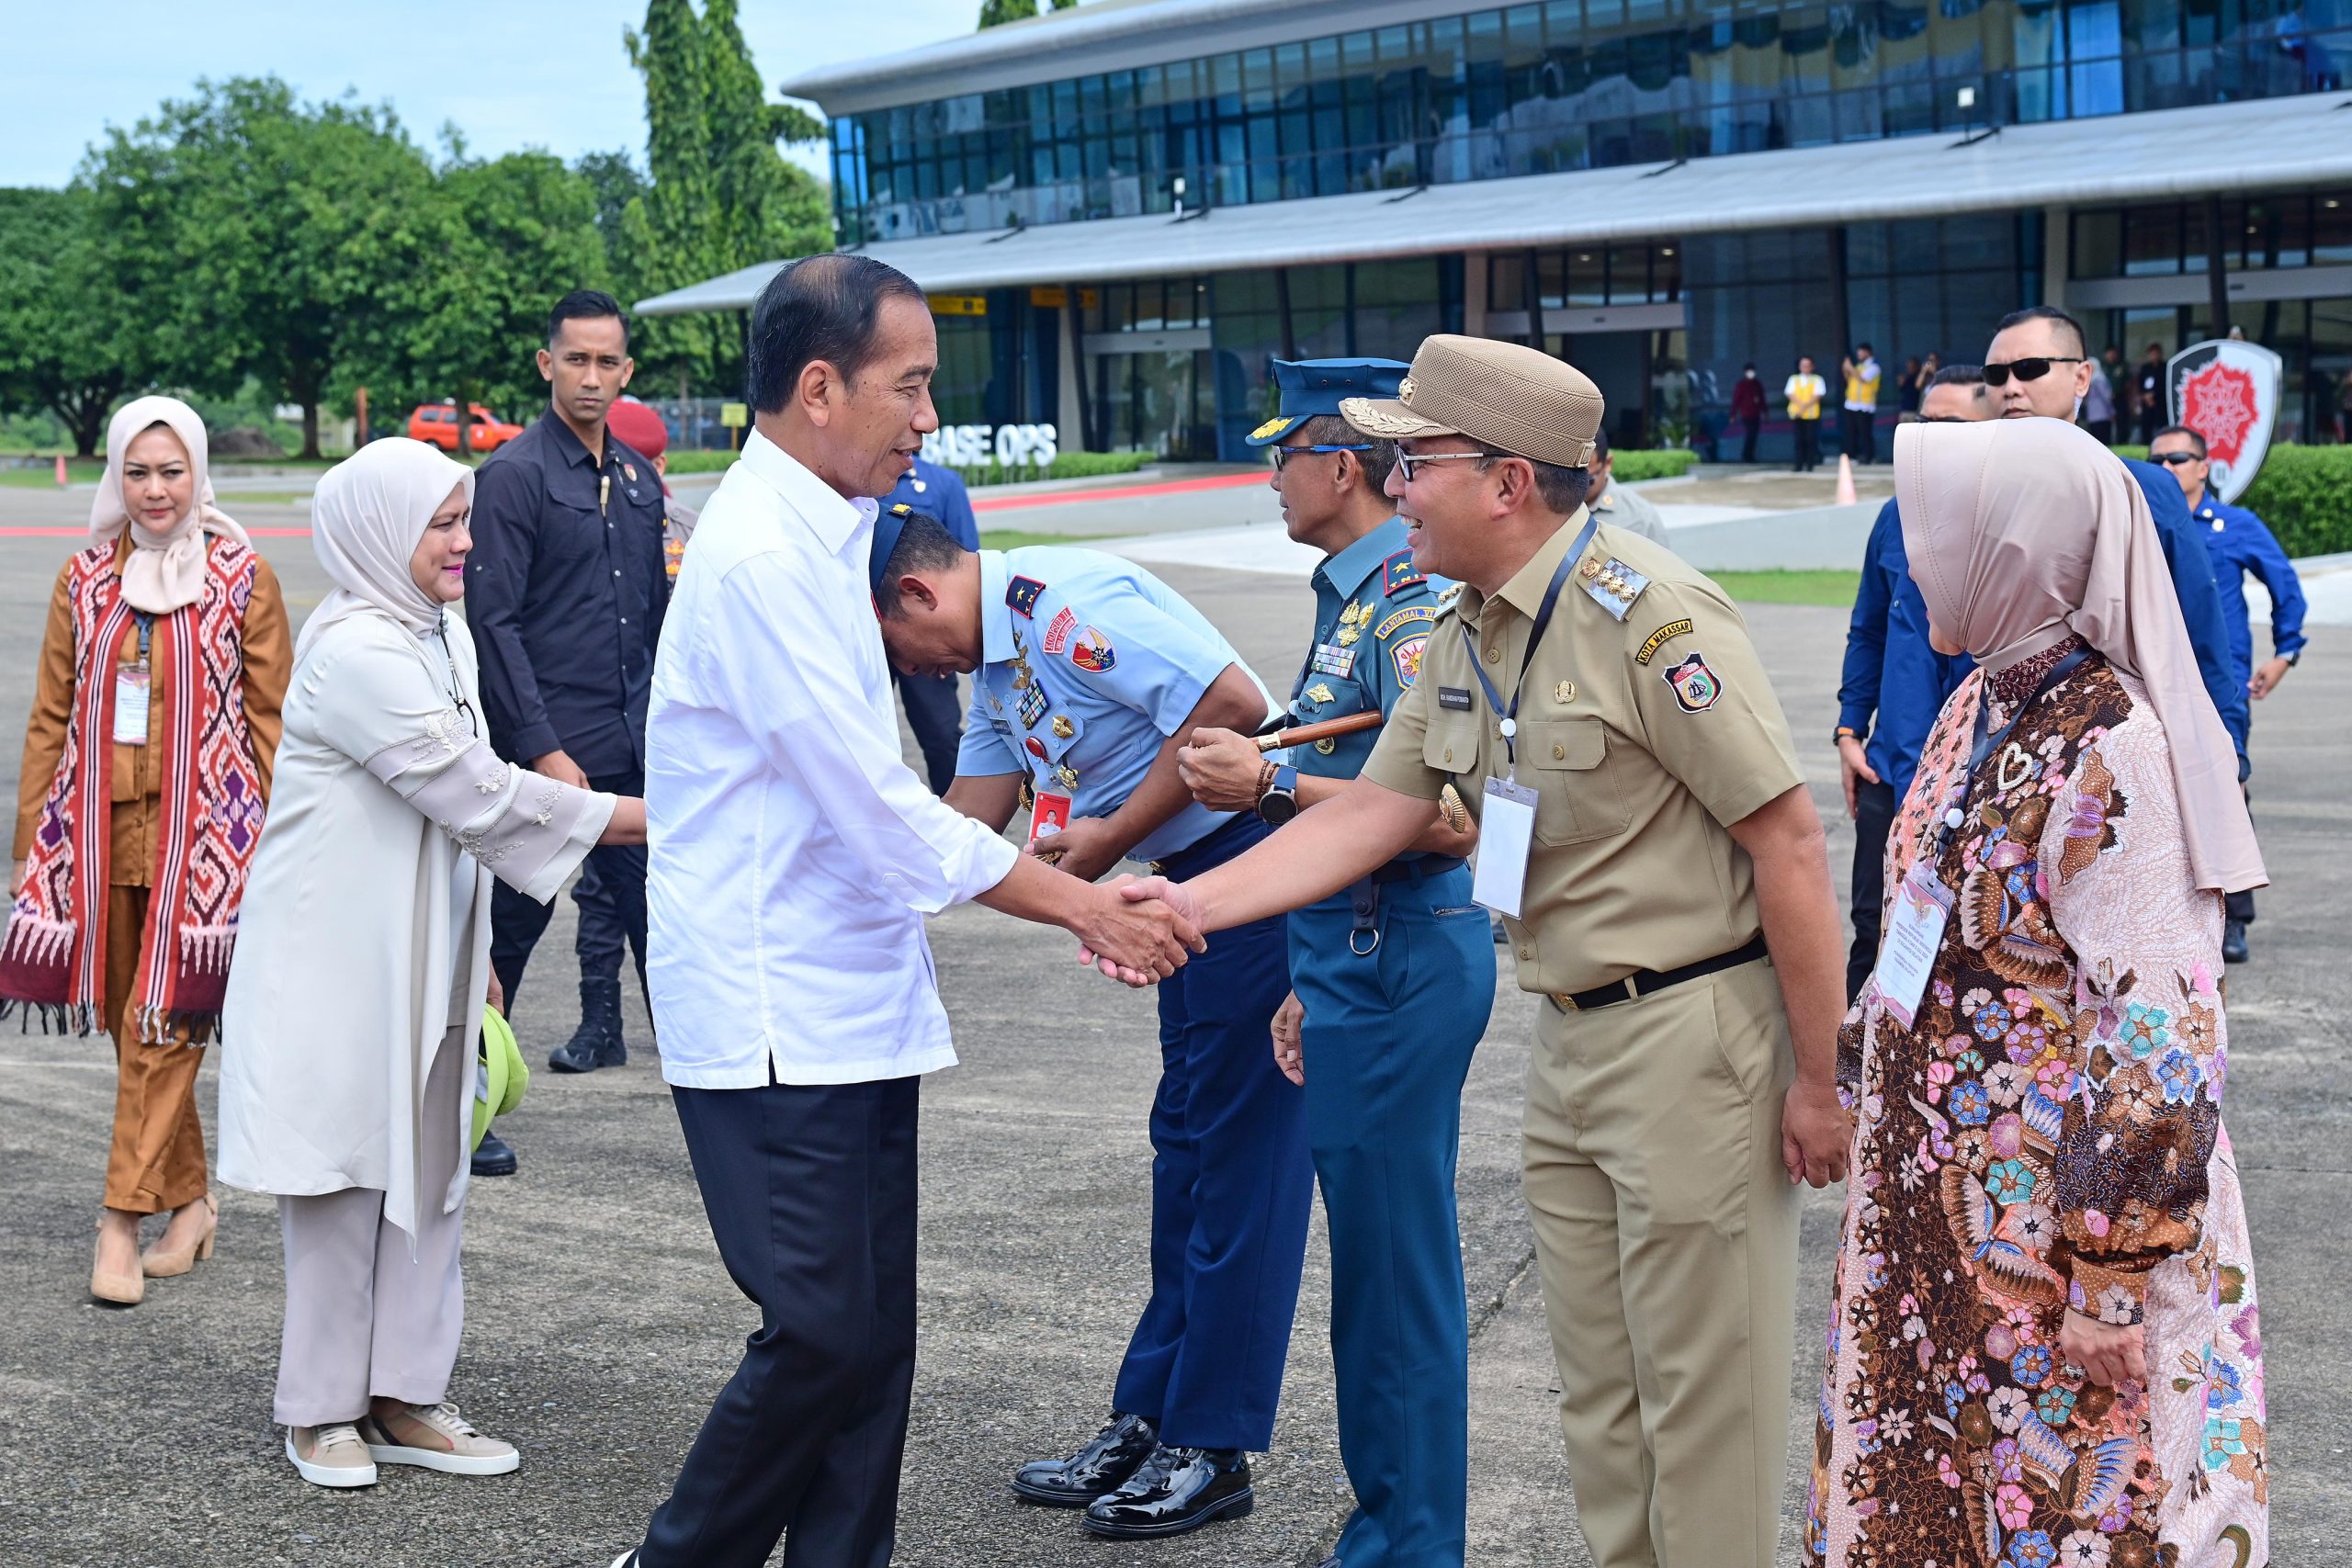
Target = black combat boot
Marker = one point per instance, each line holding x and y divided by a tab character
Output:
597	1042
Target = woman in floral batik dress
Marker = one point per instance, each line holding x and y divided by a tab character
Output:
2044	1348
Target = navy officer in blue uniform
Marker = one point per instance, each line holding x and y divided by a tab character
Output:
1089	673
932	711
2239	542
1395	978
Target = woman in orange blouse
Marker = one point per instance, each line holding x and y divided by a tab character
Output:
146	768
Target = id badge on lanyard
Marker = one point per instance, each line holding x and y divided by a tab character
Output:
1915	935
131	685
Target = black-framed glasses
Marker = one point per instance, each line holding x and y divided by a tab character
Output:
1406	461
2032	369
1284	454
2176	459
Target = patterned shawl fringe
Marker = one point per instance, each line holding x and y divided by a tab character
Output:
55	1018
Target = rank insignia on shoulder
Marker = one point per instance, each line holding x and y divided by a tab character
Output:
1021	595
1695	686
900	509
1613	585
1405	616
1453	591
1400	574
1659	638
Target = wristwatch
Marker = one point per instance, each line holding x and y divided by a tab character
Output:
1847	732
1279	803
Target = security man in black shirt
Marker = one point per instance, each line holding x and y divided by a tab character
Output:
565	590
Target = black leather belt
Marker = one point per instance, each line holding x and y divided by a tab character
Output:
1364	897
1642	982
1414	870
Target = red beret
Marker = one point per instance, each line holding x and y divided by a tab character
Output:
638	427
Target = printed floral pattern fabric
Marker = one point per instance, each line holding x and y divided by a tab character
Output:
2049	1132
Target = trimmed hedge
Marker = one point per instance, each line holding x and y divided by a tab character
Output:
1066	466
2305	493
1662	463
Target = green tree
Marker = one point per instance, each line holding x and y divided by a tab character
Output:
996	13
269	237
70	340
617	181
722	196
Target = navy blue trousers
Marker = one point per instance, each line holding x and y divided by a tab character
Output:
1231	1189
810	1191
1389	1033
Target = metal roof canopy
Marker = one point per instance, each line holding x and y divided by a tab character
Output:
2137	157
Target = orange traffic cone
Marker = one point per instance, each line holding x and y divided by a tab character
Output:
1845	480
61	468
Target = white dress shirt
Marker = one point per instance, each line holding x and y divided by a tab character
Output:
792	853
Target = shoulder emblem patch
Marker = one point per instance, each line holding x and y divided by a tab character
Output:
1613	584
1092	652
1400	573
1659	638
1058	629
1021	595
1410	613
1405	654
1695	686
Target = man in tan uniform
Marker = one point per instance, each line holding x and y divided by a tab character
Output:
1673	907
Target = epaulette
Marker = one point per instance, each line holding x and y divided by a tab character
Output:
1399	575
1021	595
1613	585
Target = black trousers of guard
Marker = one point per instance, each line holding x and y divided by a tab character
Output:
610	896
810	1191
1808	434
1858	433
937	719
1874	809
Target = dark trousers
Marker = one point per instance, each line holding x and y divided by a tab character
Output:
610	895
1874	808
1808	432
1231	1189
1392	1022
1858	433
2151	419
2240	906
937	719
811	1192
1749	426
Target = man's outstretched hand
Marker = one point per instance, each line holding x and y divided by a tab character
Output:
1137	940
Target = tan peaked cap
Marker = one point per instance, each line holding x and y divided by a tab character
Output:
1515	399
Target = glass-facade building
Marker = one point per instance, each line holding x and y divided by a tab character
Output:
1135	117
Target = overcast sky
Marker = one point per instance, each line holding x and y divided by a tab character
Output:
510	74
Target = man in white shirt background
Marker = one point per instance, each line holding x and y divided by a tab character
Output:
793	856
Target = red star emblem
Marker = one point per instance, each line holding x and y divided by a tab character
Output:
2218	402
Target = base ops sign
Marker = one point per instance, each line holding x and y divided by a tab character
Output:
2227	391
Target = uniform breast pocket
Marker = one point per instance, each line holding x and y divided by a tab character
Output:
1328	696
1450	745
569	534
1579	798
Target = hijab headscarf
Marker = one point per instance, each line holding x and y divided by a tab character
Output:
2025	532
165	568
365	518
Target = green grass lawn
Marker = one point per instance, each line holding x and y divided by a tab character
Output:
1835	589
1019	538
45	475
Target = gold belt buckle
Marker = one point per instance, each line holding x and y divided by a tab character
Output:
1157	867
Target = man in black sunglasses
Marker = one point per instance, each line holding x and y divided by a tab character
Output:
2038	368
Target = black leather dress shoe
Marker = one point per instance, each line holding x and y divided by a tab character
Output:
2233	947
493	1157
1096	1468
1173	1491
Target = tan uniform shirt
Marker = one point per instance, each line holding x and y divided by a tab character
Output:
1645	727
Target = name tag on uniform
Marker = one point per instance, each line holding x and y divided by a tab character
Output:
1505	833
1051	816
130	705
1455	698
1914	933
1332	659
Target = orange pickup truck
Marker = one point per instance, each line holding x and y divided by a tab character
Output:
438	423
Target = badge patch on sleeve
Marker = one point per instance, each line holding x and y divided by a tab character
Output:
1695	686
1021	595
1092	652
1405	616
1057	630
1405	654
1659	638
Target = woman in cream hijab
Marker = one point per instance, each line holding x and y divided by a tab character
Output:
146	768
2044	1346
360	978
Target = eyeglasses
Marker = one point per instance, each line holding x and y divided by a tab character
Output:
1284	454
1407	462
2176	459
2027	369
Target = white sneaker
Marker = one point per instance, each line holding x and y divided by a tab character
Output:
626	1559
331	1455
434	1436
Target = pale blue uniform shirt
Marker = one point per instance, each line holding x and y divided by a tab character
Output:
1110	650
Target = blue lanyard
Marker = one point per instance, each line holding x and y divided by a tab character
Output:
1956	814
1509	715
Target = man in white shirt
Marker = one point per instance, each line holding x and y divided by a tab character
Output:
793	856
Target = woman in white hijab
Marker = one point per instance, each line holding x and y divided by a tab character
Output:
355	998
146	766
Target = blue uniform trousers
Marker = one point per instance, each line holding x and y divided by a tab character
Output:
1231	1188
1387	1042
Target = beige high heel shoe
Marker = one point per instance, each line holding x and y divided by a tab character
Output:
159	1264
116	1290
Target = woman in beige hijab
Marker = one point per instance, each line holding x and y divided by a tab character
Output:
146	768
2044	1347
346	1076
